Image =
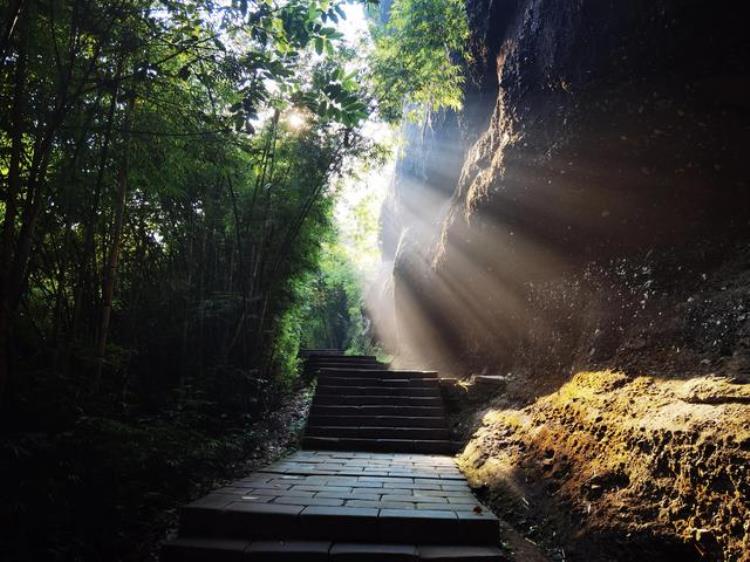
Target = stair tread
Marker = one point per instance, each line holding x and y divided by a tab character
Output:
382	418
374	408
380	389
212	550
416	445
371	426
385	400
388	440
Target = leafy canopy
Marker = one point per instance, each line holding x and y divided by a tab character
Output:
417	57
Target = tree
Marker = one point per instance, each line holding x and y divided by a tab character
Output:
417	58
160	211
137	78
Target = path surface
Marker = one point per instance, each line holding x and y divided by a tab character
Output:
347	506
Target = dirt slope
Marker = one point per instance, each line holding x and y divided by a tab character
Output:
611	467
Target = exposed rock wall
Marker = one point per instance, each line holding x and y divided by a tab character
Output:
595	173
589	212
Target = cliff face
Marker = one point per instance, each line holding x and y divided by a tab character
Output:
582	228
592	185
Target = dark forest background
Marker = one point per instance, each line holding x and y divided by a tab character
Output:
168	175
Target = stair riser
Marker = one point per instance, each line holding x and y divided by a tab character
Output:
389	381
317	371
377	373
347	359
378	432
374	421
347	364
412	411
406	391
243	552
380	408
337	400
426	447
264	526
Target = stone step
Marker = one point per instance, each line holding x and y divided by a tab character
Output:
377	421
376	373
312	369
461	554
380	390
326	353
326	365
353	363
228	518
376	410
338	400
381	445
390	382
217	550
378	432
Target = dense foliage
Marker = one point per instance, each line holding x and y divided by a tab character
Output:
417	58
166	172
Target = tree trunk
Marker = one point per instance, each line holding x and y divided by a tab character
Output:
110	273
11	25
11	210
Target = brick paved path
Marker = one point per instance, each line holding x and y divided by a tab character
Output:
344	506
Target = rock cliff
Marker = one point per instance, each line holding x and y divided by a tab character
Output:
584	200
587	211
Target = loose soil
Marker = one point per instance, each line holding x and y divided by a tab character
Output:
618	467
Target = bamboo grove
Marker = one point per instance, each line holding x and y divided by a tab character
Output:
167	177
145	219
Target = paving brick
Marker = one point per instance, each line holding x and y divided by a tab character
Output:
350	552
203	517
478	527
321	488
303	500
385	479
444	493
415	498
253	498
272	486
416	526
455	486
231	491
336	480
380	504
288	551
363	484
340	523
367	496
412	485
260	520
460	553
446	506
203	550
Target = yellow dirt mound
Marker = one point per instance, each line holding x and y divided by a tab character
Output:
629	456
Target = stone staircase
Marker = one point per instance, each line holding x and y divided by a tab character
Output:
360	405
381	502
